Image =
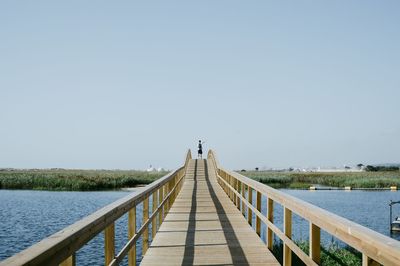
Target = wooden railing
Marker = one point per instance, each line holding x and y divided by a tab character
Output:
375	248
61	247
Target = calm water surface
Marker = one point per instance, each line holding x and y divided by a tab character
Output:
29	216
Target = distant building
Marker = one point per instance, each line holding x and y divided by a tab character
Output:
151	169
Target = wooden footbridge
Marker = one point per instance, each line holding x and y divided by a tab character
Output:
203	214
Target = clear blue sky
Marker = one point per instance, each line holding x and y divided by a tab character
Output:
124	84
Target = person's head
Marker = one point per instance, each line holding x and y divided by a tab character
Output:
199	141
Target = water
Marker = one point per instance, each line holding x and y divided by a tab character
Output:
27	216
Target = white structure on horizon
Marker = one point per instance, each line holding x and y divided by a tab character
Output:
151	169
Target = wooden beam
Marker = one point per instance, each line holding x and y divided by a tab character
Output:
244	196
109	244
315	243
70	261
250	200
287	226
270	217
166	208
258	220
160	199
131	233
145	239
366	261
154	220
238	190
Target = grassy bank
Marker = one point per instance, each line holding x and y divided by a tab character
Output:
330	256
303	180
76	180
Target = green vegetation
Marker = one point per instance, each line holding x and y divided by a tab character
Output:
330	256
371	168
78	180
303	180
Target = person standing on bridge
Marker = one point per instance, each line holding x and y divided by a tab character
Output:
200	150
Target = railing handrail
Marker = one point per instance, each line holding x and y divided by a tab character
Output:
59	246
379	247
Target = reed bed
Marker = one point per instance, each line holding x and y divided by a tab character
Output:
303	180
331	255
75	180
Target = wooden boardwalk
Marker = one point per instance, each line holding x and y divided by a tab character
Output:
203	227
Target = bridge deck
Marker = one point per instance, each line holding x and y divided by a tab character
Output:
203	227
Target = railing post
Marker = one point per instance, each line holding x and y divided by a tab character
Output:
146	231
222	183
258	220
238	190
287	226
270	217
233	190
170	187
243	196
70	261
166	201
315	243
154	220
237	187
226	184
160	199
229	189
367	261
109	244
131	233
176	188
250	200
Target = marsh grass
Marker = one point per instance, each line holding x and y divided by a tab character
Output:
302	180
75	180
332	255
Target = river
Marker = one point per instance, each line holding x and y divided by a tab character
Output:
28	216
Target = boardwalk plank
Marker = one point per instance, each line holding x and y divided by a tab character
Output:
203	227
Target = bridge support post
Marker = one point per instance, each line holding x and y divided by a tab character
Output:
234	198
270	217
146	231
227	187
315	243
160	199
287	220
109	243
154	220
243	196
367	261
166	201
70	261
171	197
237	187
174	183
131	233
229	179
258	220
250	200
